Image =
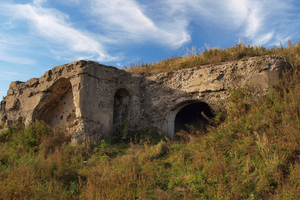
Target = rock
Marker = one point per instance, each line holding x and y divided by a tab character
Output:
14	84
93	101
32	82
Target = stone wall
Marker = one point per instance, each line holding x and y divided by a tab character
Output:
165	94
94	101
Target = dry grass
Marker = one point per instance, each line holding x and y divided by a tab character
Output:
253	154
213	56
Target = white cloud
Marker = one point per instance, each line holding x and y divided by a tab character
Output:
167	22
263	39
39	2
253	23
15	59
89	29
52	26
68	2
277	17
124	22
127	21
10	44
258	20
265	20
7	40
8	76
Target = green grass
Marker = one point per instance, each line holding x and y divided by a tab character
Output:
254	153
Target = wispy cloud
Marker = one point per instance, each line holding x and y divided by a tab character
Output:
266	20
39	2
69	30
6	75
10	44
128	22
58	34
260	21
263	39
167	23
15	59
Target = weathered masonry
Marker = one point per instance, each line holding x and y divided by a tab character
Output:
94	100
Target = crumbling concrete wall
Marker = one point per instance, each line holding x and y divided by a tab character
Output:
79	95
94	100
165	94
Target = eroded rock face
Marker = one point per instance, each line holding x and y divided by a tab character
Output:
94	100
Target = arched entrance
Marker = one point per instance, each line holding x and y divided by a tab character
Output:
189	113
57	107
121	108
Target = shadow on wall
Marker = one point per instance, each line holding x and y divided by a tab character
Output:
121	109
57	105
189	113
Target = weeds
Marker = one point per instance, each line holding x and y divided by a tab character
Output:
215	56
250	152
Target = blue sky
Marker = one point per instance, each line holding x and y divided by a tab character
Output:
37	35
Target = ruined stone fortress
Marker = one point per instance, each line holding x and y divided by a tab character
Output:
94	100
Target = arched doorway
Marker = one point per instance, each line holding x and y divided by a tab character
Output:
57	107
121	109
189	113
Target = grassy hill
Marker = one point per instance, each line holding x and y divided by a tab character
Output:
214	56
252	153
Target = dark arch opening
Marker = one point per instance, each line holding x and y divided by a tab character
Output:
121	109
195	114
57	105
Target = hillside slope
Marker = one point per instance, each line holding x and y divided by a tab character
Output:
250	152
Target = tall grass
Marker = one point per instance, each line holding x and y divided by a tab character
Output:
253	154
214	56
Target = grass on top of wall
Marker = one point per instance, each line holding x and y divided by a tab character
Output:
253	154
213	56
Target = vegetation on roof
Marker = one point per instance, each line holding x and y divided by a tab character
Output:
214	56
